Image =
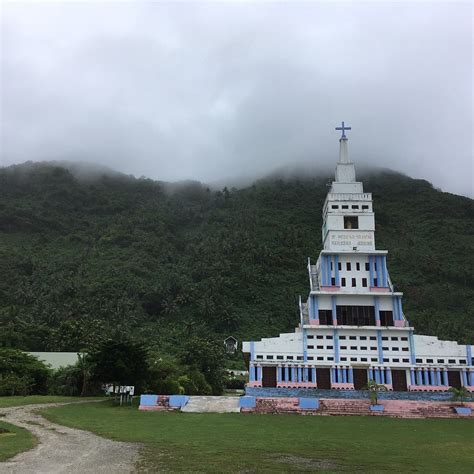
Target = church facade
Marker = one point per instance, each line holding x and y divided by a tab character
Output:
352	325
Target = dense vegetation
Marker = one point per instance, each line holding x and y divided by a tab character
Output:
83	259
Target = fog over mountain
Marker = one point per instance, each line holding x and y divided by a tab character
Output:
226	91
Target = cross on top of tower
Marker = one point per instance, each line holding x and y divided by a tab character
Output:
343	128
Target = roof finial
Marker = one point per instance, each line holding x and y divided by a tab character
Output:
343	128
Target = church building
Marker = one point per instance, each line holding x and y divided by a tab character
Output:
352	326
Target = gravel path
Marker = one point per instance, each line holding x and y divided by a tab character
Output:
65	450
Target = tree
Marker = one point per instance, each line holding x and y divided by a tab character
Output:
460	394
374	388
120	362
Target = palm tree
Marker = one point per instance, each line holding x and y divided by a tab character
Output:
374	388
460	394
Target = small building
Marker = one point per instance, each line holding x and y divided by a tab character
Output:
231	344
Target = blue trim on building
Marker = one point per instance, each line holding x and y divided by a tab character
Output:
377	308
313	307
336	269
323	270
252	350
384	271
334	312
305	345
396	316
400	310
379	346
371	270
412	348
336	346
468	354
328	269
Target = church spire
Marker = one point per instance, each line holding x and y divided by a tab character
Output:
345	171
343	152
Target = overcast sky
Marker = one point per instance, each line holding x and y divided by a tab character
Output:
214	90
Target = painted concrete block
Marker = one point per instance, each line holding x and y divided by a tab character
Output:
178	401
309	403
148	400
247	402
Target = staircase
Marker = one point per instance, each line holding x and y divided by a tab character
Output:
212	405
344	407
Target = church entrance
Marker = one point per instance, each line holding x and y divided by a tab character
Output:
454	379
323	378
269	377
360	378
399	380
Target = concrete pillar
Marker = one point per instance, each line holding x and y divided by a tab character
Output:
339	375
445	378
334	311
412	376
313	371
426	377
438	377
259	373
278	374
344	375
377	375
433	377
371	270
351	375
251	373
389	376
287	374
333	375
300	374
419	377
305	374
464	377
336	270
294	376
371	374
471	378
377	310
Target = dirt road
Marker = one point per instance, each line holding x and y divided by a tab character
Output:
65	450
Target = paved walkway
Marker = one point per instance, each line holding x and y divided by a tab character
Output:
65	450
201	404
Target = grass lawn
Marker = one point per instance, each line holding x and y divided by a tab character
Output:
6	402
14	440
233	442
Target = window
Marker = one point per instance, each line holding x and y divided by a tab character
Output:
319	347
406	361
348	266
320	358
342	337
364	282
384	338
355	206
419	361
289	357
385	360
269	357
299	358
367	266
325	317
440	361
386	319
394	338
353	282
310	358
343	359
339	266
429	361
343	347
333	281
343	282
310	347
395	360
353	359
357	266
451	361
259	357
363	348
355	315
363	338
373	359
319	337
353	338
329	337
373	348
331	265
345	206
404	339
385	348
405	349
363	359
351	222
364	206
330	358
375	283
462	361
334	206
280	357
310	336
373	338
353	348
394	348
330	348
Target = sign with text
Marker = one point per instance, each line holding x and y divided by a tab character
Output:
348	240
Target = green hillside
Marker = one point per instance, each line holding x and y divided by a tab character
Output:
81	259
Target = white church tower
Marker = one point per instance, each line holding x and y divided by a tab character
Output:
352	326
